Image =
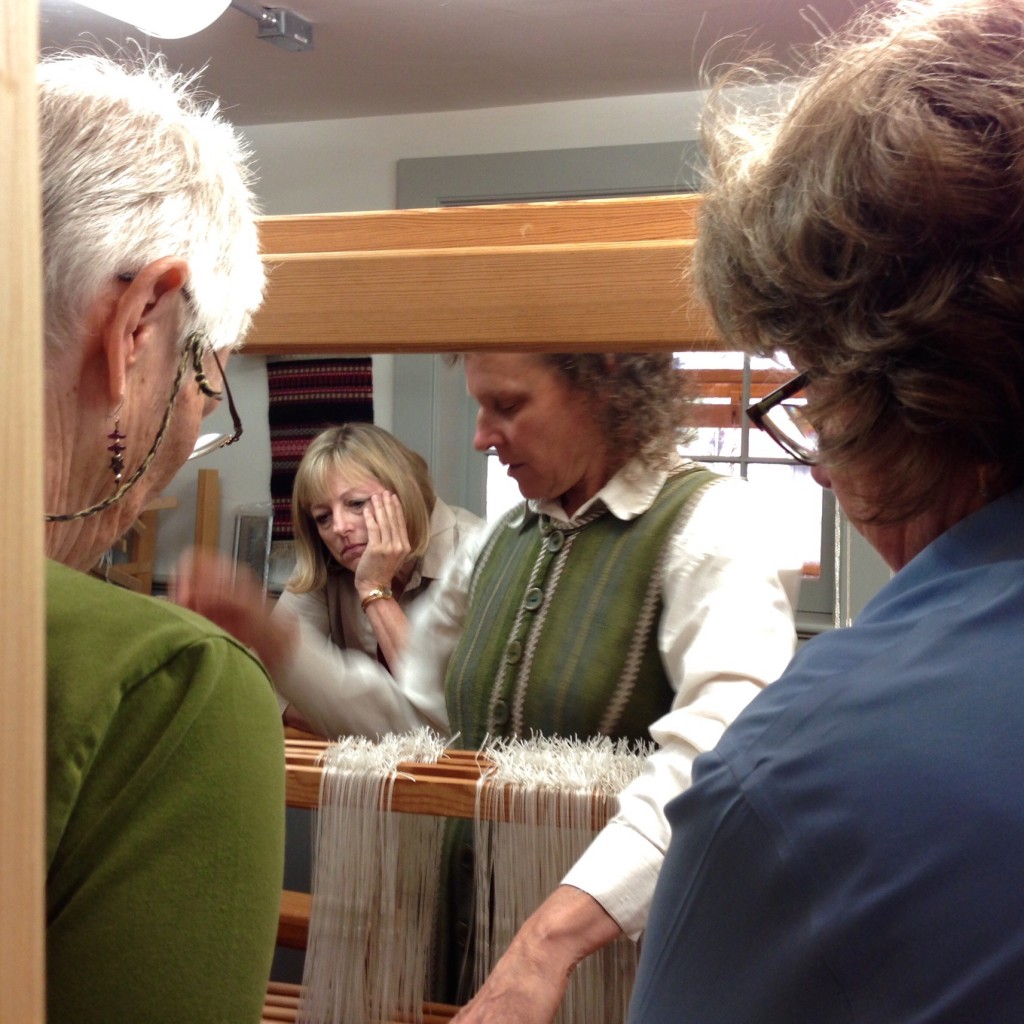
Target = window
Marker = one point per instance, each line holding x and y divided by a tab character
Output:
802	513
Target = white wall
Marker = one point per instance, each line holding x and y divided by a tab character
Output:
340	166
343	166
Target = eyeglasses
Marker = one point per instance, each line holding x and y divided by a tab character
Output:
194	344
781	415
208	443
192	351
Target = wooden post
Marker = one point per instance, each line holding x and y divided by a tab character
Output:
22	697
207	509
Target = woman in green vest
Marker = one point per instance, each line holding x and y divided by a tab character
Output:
629	595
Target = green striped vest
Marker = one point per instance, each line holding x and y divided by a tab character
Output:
561	636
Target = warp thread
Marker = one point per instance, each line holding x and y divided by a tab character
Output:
376	874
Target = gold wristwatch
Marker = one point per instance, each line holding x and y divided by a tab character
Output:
377	594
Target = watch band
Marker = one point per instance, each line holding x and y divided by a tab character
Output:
377	594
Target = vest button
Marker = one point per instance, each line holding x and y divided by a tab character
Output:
514	651
533	598
500	716
555	541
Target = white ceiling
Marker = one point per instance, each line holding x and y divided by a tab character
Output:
379	57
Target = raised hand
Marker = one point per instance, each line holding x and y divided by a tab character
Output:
387	543
212	585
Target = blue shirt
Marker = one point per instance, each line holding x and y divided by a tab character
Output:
853	848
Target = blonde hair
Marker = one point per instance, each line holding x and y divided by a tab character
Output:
356	449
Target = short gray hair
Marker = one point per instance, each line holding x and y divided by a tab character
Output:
136	166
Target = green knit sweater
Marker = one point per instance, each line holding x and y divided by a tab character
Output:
164	812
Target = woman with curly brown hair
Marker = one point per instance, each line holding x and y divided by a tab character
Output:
629	595
609	602
850	851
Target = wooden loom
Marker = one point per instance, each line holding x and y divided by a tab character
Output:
589	275
638	325
448	788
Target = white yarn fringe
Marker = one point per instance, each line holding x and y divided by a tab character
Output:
556	791
376	875
375	881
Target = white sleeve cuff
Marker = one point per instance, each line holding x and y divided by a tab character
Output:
625	892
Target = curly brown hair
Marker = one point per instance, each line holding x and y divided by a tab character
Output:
873	230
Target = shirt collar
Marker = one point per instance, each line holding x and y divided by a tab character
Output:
442	542
628	494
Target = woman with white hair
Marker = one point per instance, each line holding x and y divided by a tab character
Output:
165	788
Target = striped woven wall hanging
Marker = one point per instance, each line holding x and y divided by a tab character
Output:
306	396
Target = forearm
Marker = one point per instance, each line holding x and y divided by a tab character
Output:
568	926
346	692
529	981
391	627
275	641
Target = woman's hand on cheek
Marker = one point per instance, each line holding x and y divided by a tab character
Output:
387	543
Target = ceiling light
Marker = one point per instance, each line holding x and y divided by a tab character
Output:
161	18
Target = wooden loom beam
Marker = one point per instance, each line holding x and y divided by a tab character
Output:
585	275
283	998
447	788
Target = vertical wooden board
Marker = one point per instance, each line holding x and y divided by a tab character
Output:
207	509
22	698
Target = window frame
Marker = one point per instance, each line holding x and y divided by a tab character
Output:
816	602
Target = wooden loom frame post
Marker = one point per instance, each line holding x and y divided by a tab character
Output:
22	700
207	531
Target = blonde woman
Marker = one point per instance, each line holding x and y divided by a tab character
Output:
371	537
